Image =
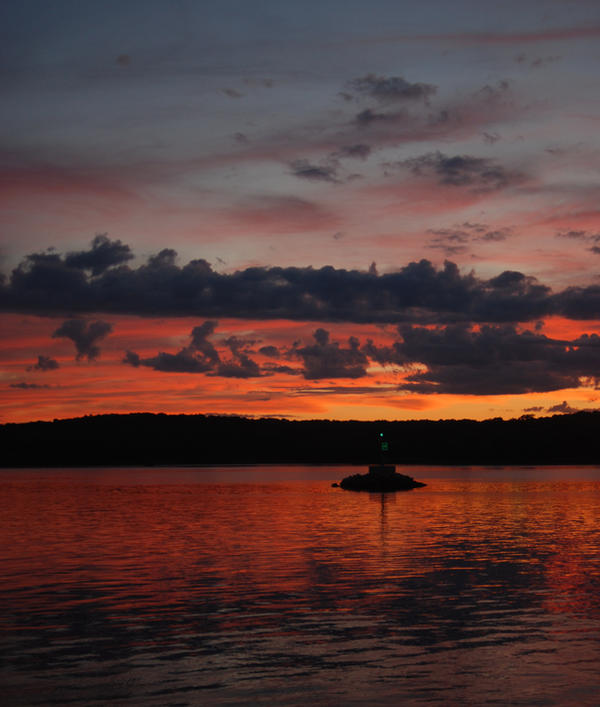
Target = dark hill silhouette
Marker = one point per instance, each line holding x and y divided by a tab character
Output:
159	439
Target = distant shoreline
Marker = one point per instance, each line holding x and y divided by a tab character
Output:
158	440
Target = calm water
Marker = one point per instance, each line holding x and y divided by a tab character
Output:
267	586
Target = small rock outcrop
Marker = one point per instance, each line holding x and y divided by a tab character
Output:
380	478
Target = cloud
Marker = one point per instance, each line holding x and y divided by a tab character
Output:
494	360
184	361
482	173
232	93
368	116
418	292
490	138
456	239
358	151
27	386
201	344
591	239
44	363
312	172
85	336
201	356
392	89
536	62
103	254
240	365
325	359
274	368
564	408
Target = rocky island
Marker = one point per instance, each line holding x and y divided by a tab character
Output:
381	477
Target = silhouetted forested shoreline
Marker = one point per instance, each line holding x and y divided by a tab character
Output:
159	439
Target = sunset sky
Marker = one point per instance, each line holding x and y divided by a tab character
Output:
331	209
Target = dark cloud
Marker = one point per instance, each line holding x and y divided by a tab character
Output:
462	170
326	359
391	89
45	284
574	235
201	356
590	239
44	363
490	138
201	344
563	408
132	358
368	116
456	239
240	365
452	242
103	254
314	173
273	368
85	336
536	62
271	351
27	386
359	151
184	361
494	360
232	93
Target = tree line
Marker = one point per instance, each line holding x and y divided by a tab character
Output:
160	439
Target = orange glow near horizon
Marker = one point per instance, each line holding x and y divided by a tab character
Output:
107	385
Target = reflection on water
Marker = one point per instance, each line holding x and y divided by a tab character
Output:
248	586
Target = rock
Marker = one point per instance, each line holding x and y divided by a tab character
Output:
380	478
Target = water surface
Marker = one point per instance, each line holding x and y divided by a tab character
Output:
265	585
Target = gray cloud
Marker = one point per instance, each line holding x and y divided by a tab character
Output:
368	116
44	363
456	239
461	170
271	351
240	365
495	360
45	284
103	254
564	408
358	151
85	336
325	359
590	239
391	89
27	386
201	356
184	361
454	359
312	172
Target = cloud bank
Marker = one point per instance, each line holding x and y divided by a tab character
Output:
418	293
